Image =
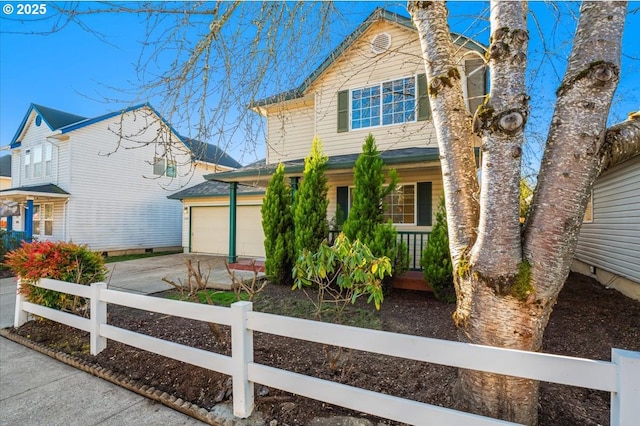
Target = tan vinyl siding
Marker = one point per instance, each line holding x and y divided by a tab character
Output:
612	240
290	131
357	67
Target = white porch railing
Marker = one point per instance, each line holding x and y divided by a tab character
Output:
621	376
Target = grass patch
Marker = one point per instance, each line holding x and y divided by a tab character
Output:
122	258
221	298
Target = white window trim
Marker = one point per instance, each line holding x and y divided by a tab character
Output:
380	84
415	202
42	219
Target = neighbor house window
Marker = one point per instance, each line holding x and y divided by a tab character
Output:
43	219
47	159
171	168
162	167
404	100
27	164
37	161
158	166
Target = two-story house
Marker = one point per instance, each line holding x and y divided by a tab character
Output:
374	82
104	181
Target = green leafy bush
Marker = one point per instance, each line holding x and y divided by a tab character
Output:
341	273
436	259
277	223
57	260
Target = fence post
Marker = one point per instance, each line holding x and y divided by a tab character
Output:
98	317
21	316
625	407
242	355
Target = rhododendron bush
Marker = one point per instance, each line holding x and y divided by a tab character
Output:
57	260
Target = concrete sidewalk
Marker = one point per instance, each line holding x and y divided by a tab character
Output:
38	390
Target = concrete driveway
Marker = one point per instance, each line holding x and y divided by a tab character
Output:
144	276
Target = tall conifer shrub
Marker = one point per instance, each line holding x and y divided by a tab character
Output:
365	221
277	223
310	207
436	260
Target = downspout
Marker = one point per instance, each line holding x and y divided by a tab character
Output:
233	195
65	220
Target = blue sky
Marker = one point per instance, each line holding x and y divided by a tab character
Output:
77	72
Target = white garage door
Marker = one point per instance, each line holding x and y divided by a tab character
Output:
210	230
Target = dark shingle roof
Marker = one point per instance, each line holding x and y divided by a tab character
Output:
336	162
66	122
56	118
211	188
5	166
45	189
210	153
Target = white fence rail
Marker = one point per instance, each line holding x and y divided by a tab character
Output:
620	377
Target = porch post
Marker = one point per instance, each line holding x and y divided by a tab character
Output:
233	199
294	186
9	223
28	220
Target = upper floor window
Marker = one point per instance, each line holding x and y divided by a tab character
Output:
162	167
37	161
392	102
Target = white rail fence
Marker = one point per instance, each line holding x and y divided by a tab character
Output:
620	377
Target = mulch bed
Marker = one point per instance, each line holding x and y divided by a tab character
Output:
587	321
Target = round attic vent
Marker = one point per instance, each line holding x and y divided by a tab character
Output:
381	43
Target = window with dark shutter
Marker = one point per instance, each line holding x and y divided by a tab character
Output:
424	204
424	109
343	111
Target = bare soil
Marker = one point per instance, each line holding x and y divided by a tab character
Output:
588	320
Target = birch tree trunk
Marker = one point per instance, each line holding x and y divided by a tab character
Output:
507	278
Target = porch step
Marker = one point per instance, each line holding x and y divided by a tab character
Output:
245	265
412	280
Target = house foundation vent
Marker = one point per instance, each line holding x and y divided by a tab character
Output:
381	43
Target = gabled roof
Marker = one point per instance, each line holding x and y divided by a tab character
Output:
336	162
210	153
64	122
376	15
211	188
5	166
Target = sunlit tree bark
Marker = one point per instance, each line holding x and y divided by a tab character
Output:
508	277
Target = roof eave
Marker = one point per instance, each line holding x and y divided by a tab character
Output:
376	15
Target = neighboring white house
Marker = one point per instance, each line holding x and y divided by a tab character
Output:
609	243
104	181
